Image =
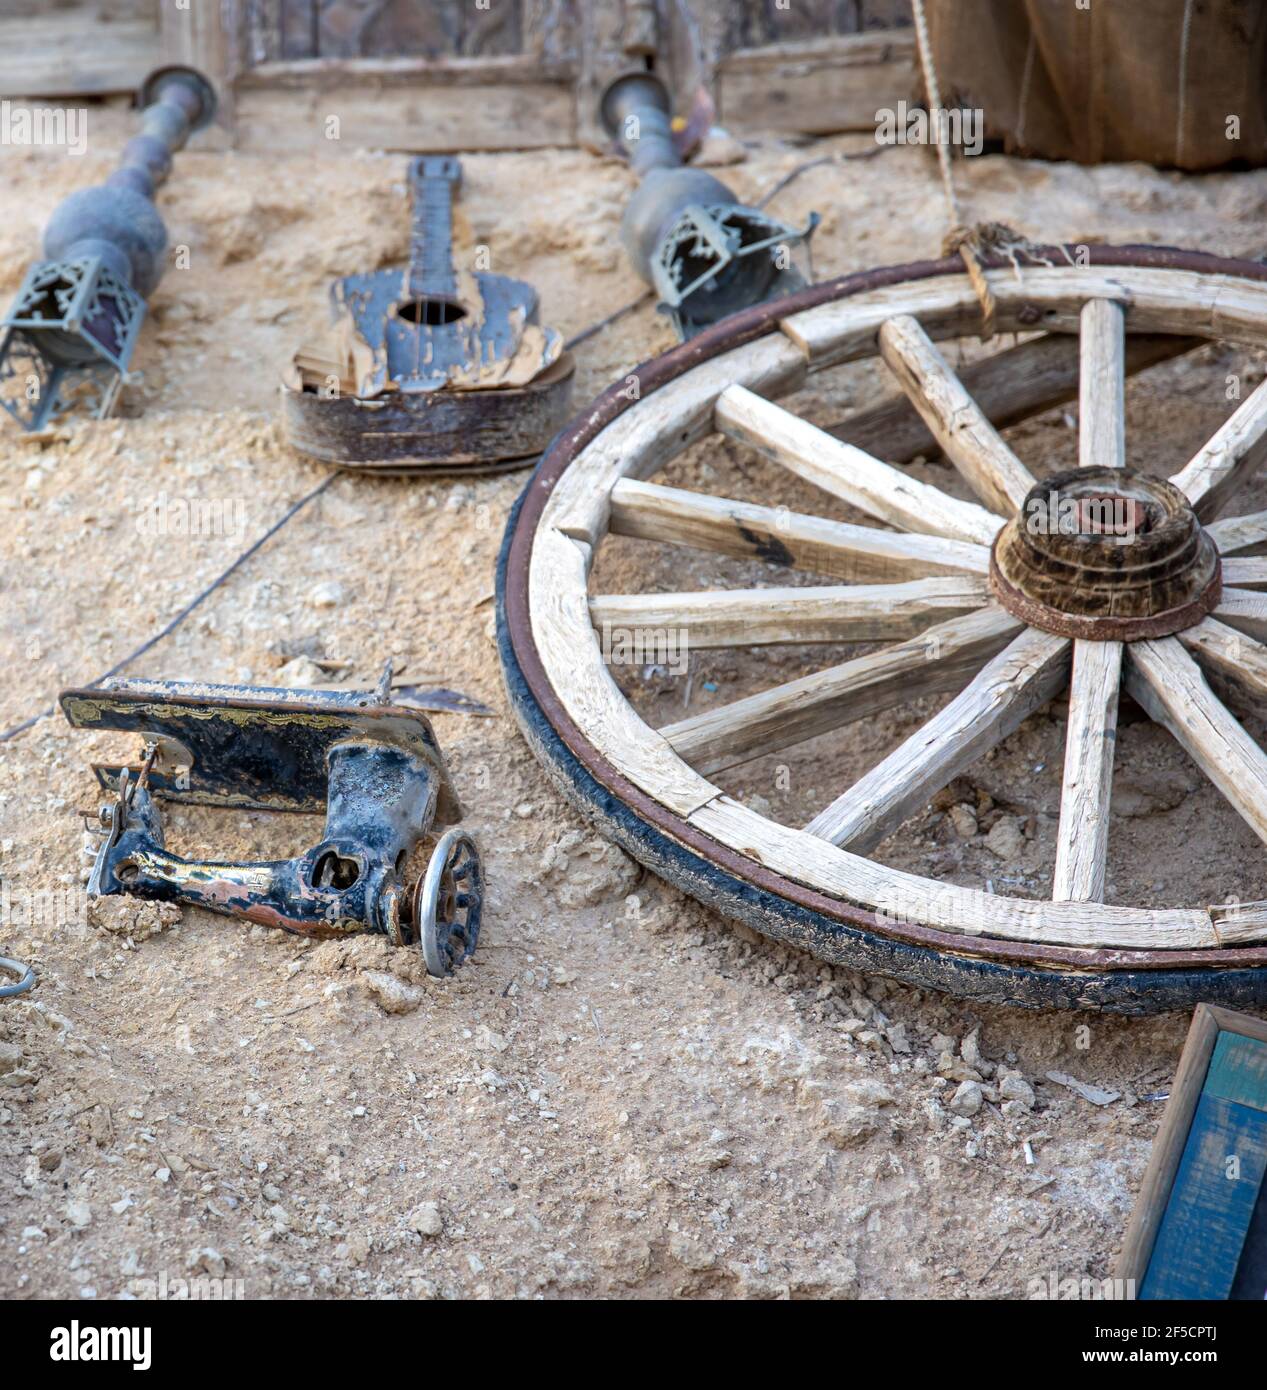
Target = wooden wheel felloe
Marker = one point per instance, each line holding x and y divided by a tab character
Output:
973	601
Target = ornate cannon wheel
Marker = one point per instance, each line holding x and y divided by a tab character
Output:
986	604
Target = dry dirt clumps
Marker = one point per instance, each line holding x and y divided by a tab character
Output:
623	1094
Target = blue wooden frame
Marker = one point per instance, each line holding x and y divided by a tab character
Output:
1199	1229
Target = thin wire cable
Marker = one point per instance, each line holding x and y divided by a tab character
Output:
193	603
583	336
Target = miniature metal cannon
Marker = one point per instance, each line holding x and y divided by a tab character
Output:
431	367
705	253
70	334
372	766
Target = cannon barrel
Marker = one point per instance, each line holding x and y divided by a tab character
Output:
70	333
705	253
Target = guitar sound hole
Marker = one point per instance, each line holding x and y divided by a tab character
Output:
430	313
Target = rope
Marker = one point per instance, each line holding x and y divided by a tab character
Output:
967	242
960	239
1027	77
1180	118
933	88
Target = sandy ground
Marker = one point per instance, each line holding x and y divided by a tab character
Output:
623	1095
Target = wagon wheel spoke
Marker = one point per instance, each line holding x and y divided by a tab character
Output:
1229	459
942	658
1009	386
1245	610
864	482
1166	681
1083	837
754	617
958	424
1006	691
1236	533
1234	664
860	554
1091	735
1102	385
1248	572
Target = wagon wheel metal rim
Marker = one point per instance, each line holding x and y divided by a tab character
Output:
896	313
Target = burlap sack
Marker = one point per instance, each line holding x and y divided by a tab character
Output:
1179	83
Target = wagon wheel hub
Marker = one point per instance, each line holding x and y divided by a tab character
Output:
1106	554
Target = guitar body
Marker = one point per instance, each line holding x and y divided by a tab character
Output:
431	369
486	336
430	326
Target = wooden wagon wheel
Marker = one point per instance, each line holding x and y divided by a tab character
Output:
987	605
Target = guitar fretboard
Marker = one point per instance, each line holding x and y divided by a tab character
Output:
431	273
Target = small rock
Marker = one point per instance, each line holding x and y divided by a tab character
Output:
426	1220
586	870
394	995
1147	791
207	1261
301	673
11	1058
355	1249
79	1214
967	1100
963	821
486	1040
1013	1086
690	1254
956	1069
713	1159
970	1051
851	1117
1006	839
138	918
328	594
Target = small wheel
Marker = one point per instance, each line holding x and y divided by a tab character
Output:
448	904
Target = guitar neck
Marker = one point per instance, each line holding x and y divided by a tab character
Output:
431	271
